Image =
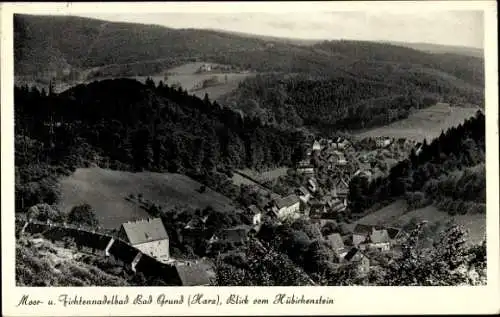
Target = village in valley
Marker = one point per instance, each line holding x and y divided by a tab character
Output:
236	160
148	240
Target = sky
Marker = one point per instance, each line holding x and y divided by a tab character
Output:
461	28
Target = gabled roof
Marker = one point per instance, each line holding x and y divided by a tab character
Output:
192	274
379	236
145	231
393	232
335	240
287	201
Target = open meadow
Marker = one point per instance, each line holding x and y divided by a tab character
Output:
396	215
424	123
105	190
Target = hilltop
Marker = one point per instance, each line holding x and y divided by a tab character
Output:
444	49
90	44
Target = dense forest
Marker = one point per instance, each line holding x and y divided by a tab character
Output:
374	95
449	171
123	124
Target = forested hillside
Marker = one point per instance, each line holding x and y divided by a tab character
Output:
93	43
373	96
123	124
89	43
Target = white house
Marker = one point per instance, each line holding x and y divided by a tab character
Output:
205	67
256	214
316	146
380	240
149	236
286	207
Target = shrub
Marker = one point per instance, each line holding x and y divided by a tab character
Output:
416	200
44	212
83	215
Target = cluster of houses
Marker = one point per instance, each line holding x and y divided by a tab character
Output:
151	238
353	248
206	67
332	152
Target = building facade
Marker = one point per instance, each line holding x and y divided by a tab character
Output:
149	236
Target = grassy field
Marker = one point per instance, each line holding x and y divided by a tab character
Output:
189	81
105	190
184	75
265	176
395	215
425	123
475	223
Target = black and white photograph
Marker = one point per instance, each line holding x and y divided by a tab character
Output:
334	148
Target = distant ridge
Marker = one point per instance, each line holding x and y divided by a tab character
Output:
442	49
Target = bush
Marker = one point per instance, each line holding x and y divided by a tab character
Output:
416	200
44	212
83	215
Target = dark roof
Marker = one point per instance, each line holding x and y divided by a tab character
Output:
393	232
145	231
362	229
192	274
287	201
351	254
